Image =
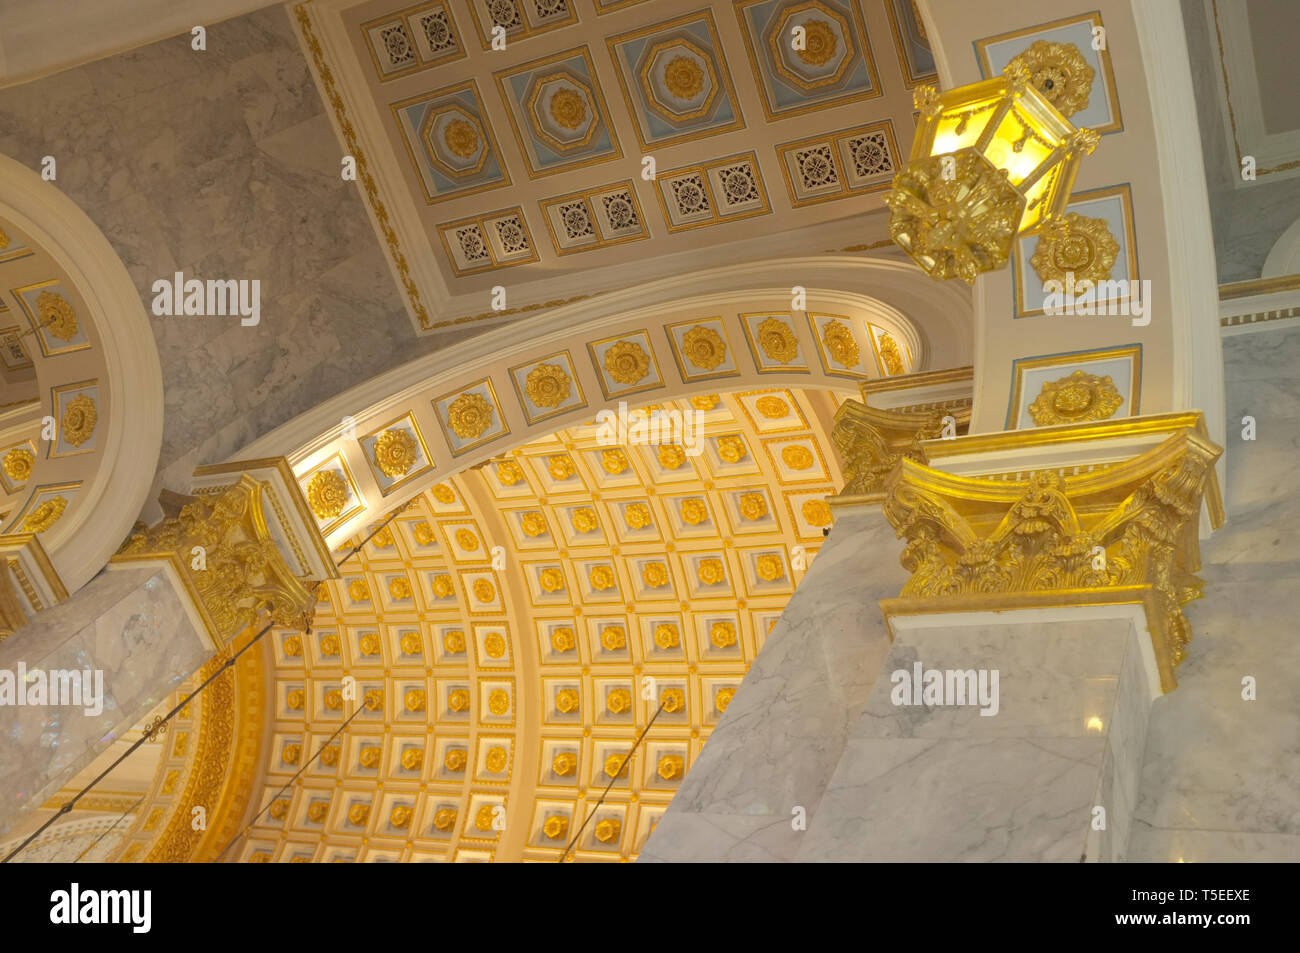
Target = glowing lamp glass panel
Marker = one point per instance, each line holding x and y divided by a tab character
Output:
990	162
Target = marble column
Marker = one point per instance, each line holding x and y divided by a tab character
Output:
129	640
751	793
1048	571
1043	766
242	550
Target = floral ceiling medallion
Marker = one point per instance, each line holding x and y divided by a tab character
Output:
1078	246
627	362
840	343
778	341
327	494
1060	73
469	416
1078	397
395	452
547	385
703	347
56	315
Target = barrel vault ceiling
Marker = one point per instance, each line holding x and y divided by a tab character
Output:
522	167
508	620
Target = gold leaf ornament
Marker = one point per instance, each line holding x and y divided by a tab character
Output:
568	108
44	516
637	516
547	385
704	347
469	416
840	343
626	362
711	571
731	448
56	315
820	42
79	419
683	78
753	506
461	138
777	341
327	494
1077	397
1061	73
18	464
1076	245
395	452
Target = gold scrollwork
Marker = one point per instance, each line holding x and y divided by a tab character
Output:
967	538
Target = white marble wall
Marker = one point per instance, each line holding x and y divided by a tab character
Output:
1246	221
950	784
1221	781
129	624
782	736
223	164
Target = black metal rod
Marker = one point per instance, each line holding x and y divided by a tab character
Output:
68	805
601	800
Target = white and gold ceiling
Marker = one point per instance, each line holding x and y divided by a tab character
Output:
523	167
503	627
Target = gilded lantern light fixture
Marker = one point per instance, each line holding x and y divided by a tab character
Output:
990	161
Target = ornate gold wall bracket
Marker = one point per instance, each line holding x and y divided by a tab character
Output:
222	551
1124	533
890	422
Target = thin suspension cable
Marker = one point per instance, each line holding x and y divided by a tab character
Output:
360	708
601	800
68	805
138	802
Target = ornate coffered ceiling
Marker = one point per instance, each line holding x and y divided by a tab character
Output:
508	621
489	167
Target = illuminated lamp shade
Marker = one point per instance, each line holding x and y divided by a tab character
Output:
990	162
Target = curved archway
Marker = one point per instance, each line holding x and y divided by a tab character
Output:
101	352
851	306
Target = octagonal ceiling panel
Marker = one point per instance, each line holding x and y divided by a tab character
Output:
675	81
807	53
449	143
442	125
558	116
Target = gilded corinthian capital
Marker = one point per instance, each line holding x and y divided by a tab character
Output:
889	423
221	548
1125	532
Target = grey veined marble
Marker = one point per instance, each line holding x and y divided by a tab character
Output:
222	164
128	634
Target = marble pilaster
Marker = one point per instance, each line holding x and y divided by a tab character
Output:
130	629
1063	736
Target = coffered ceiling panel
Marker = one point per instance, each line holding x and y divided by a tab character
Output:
646	136
517	628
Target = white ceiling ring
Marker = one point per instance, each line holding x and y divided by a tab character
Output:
119	473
